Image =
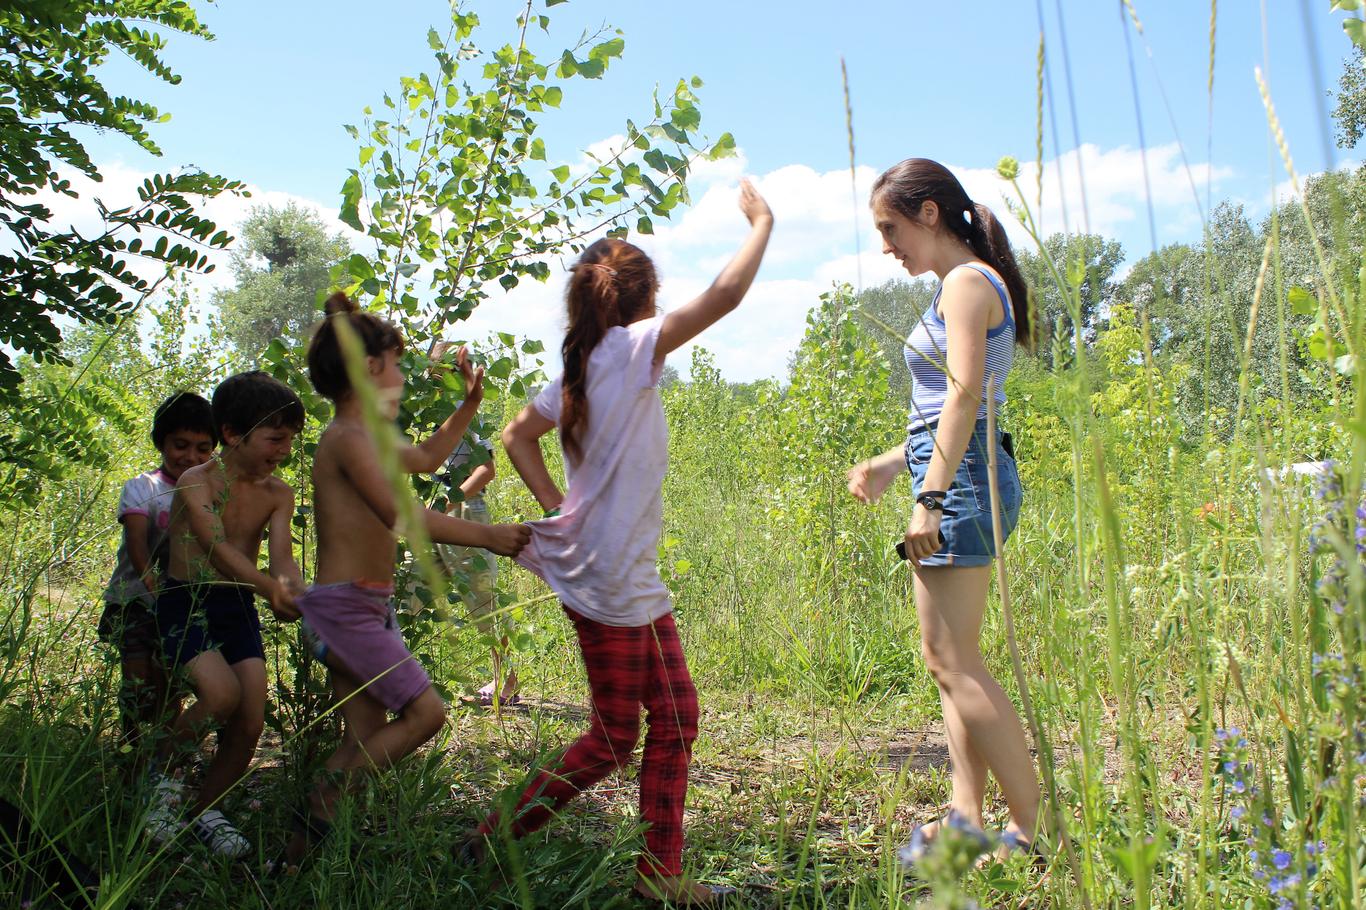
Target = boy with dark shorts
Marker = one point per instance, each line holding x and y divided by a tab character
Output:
206	613
184	434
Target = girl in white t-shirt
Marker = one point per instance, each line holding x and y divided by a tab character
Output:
597	547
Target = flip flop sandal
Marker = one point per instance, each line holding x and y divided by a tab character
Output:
920	842
1014	841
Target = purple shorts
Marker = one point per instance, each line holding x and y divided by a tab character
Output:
355	627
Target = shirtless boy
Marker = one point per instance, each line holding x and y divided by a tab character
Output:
205	610
349	610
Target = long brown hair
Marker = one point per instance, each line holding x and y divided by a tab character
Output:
905	187
326	363
612	284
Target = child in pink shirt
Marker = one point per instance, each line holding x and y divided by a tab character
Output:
598	553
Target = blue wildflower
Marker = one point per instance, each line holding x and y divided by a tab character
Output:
1238	812
1239	786
1231	765
1281	859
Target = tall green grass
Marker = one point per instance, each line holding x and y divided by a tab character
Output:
1164	594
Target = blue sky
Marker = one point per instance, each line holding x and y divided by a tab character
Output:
265	103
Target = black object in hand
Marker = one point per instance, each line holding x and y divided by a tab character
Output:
901	546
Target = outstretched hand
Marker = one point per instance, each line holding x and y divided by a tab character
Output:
283	592
868	480
473	376
752	204
508	540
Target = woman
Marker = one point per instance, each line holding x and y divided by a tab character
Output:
959	353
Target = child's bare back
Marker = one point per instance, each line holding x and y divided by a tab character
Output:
355	541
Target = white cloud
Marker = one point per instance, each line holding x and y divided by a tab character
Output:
119	189
819	219
819	215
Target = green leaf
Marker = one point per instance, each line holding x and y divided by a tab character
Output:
434	40
537	150
1356	30
644	225
366	153
1344	6
560	173
1302	303
607	50
568	66
359	268
1321	346
350	207
723	147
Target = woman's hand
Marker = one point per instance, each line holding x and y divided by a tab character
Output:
922	535
752	204
868	480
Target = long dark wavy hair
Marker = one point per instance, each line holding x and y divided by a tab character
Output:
905	187
613	283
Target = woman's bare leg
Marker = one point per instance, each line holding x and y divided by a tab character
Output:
979	715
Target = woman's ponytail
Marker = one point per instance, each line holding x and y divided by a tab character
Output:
989	241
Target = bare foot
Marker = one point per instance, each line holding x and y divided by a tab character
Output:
680	891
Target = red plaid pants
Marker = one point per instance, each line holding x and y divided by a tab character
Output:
628	667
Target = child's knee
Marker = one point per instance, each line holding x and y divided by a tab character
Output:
426	713
221	699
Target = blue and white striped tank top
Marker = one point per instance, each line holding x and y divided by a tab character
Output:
927	352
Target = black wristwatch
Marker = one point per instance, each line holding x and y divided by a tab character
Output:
933	501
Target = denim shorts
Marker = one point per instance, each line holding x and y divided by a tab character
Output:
968	539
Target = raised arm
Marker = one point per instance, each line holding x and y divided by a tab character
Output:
360	464
522	442
431	453
726	292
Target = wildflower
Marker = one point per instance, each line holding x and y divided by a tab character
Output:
1281	859
1239	786
1231	765
1281	882
1238	812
